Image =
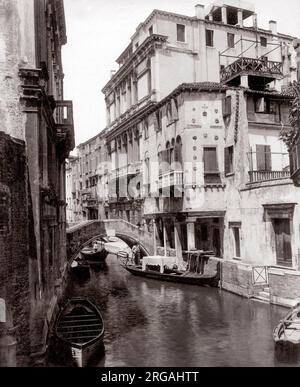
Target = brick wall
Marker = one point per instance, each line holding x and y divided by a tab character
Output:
14	241
237	278
284	287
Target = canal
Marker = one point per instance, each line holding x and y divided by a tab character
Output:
155	324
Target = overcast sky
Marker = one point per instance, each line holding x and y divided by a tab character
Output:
99	30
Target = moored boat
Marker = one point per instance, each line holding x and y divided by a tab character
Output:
288	330
161	271
81	327
95	254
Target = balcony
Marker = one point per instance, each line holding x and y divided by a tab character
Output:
258	176
63	117
130	170
268	166
251	66
171	179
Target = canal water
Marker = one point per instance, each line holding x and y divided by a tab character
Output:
150	323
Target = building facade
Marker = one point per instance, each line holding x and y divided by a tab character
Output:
87	181
36	136
197	114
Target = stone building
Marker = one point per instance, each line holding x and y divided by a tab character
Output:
36	136
194	118
87	181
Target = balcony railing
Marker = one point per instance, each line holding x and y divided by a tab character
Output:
129	170
268	166
63	117
171	179
252	66
258	176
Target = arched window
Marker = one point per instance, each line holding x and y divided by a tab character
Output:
147	169
160	160
167	158
178	152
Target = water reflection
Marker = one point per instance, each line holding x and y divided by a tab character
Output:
151	323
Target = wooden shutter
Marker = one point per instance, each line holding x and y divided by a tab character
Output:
283	241
260	157
227	162
268	157
210	160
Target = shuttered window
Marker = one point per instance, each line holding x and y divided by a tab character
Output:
211	169
229	160
263	158
210	160
283	242
227	106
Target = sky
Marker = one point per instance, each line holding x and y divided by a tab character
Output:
99	30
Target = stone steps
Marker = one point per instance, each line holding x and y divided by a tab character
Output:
263	295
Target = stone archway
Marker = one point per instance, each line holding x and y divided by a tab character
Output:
83	234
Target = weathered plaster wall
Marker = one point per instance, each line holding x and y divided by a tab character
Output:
17	50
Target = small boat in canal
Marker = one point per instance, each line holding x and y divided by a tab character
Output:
80	268
288	330
80	326
95	254
165	269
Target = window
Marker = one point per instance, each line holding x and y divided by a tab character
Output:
263	158
146	129
237	242
158	121
236	238
211	169
210	38
263	41
151	30
180	33
229	160
227	106
266	106
230	40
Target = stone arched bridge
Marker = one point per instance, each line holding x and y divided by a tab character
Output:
86	232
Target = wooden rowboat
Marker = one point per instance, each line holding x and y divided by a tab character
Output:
288	330
81	327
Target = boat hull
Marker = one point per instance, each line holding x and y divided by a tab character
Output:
82	356
80	326
95	257
287	333
198	280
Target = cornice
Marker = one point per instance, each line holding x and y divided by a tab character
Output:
149	44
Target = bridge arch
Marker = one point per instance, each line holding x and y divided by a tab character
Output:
86	233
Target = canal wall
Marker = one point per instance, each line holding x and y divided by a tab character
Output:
282	287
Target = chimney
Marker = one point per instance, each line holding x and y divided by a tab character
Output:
273	26
200	14
112	73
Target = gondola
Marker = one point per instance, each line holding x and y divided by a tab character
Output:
288	330
94	255
175	276
81	327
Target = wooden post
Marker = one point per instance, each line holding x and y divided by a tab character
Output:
154	237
